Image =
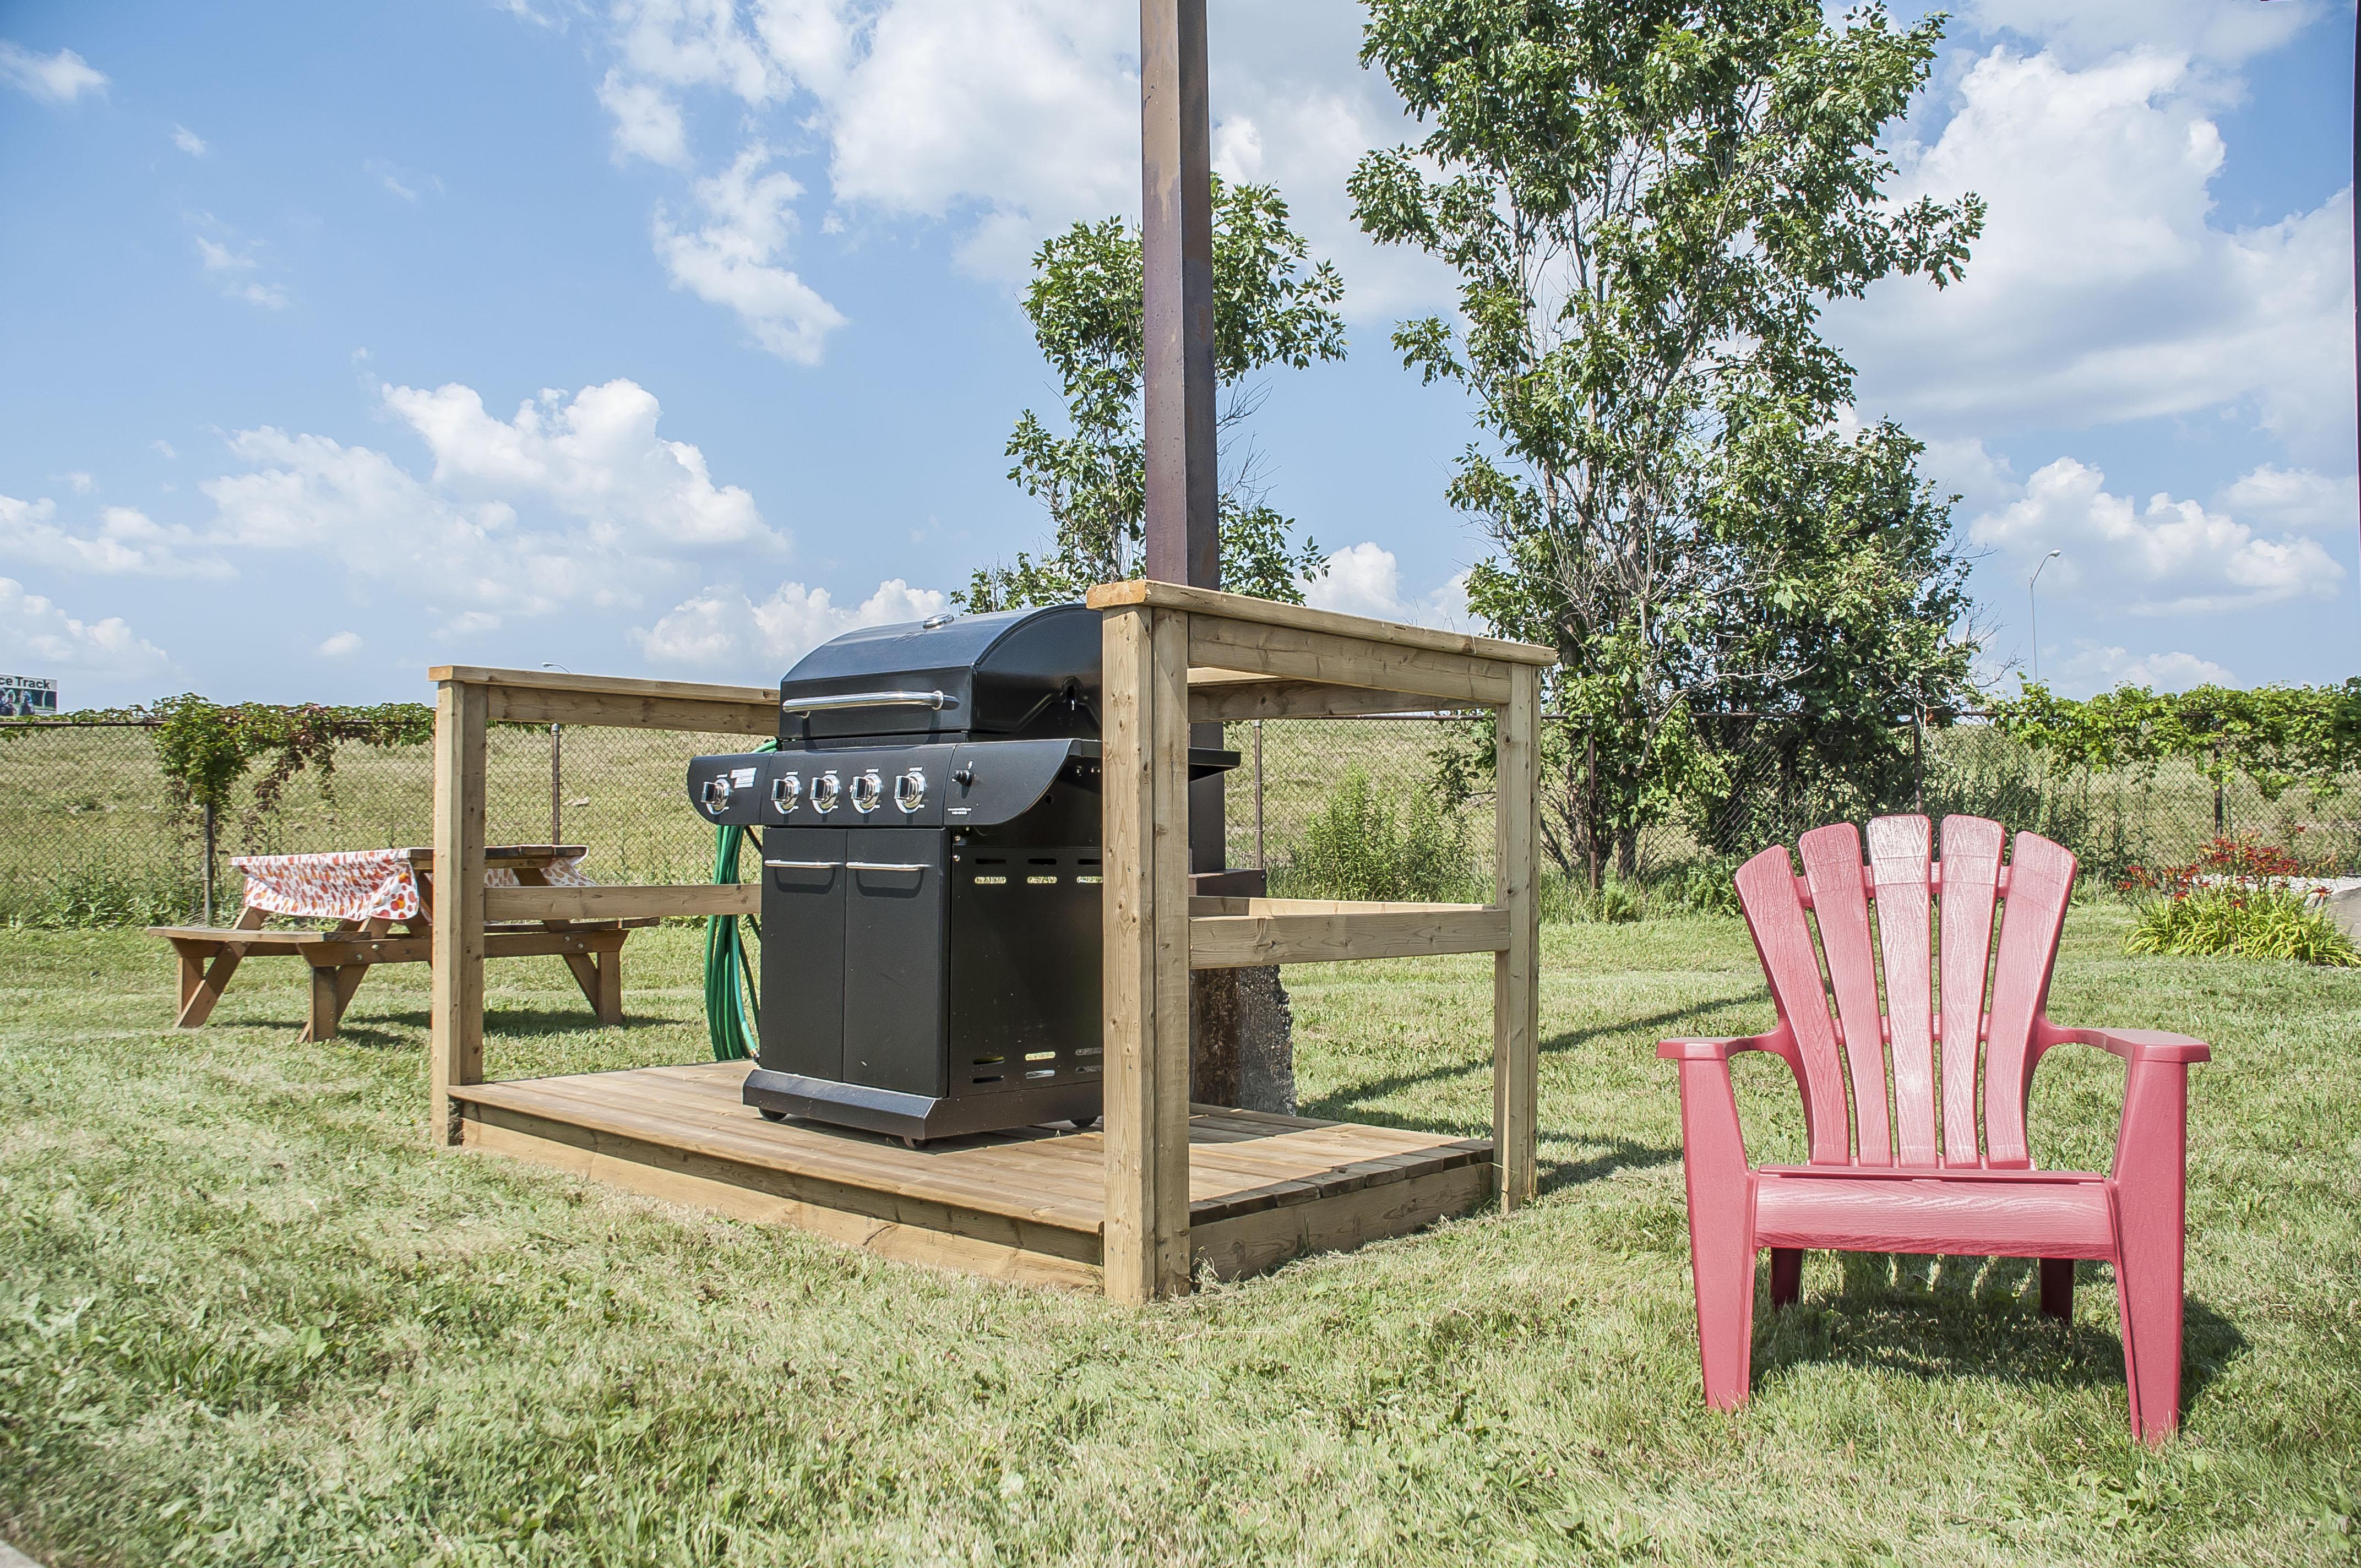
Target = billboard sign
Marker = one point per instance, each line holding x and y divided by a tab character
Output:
28	696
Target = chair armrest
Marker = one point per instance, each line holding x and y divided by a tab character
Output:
1718	1049
2132	1044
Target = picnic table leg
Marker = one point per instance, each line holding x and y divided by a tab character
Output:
599	976
332	992
193	974
198	1006
608	1003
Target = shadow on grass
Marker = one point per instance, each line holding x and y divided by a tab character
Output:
1943	1318
408	1029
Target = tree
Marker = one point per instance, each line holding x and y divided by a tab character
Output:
1648	203
1271	306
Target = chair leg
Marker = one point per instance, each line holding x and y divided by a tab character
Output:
1722	1262
2058	1288
2147	1288
1786	1276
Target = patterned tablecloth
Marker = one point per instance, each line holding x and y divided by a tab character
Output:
361	884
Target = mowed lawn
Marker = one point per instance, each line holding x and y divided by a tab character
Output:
248	1315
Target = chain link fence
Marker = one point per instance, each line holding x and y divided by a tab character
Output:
1330	807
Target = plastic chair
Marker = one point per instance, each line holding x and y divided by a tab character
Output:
1938	1169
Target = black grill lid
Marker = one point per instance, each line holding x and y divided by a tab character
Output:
1030	674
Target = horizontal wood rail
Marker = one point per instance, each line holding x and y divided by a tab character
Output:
1289	931
1270	612
623	902
552	696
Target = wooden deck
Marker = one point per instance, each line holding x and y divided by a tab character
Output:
1027	1206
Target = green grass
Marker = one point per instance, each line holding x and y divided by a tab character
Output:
248	1315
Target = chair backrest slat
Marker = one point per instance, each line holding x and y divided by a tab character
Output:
1775	919
1831	857
1971	882
1898	853
2040	883
1868	1069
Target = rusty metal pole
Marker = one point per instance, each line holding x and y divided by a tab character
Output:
1176	171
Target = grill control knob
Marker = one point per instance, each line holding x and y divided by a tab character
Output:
910	790
868	791
717	793
964	777
824	789
785	790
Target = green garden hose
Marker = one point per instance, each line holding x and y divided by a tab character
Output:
729	997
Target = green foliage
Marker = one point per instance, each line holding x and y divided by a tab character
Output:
204	748
1699	887
1363	846
2244	922
1648	205
1271	306
92	892
2278	736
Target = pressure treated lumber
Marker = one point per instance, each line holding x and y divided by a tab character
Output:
456	1048
1270	612
622	901
1516	967
1300	654
553	696
1242	941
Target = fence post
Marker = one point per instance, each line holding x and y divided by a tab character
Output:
1918	760
557	783
2220	798
1590	803
1259	864
209	862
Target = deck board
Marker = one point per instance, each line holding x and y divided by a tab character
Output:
683	1131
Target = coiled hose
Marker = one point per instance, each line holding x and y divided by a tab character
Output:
730	1000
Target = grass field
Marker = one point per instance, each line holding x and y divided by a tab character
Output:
248	1315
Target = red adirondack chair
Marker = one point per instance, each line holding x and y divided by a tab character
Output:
1878	1181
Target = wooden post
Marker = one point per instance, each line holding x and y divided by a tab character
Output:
1516	970
1145	1238
457	1048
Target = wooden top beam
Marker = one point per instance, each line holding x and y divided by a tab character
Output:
603	686
1269	612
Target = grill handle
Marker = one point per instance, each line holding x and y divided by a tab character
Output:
881	866
803	865
937	700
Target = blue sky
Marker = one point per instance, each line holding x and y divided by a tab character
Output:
673	337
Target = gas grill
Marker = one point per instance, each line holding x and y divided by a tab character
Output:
931	875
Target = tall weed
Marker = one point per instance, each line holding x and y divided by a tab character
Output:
2247	923
1360	845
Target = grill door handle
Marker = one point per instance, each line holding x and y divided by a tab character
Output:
881	866
934	699
803	865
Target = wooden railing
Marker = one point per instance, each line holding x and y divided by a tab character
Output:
1175	655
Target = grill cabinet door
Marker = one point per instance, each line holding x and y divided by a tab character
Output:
894	937
802	951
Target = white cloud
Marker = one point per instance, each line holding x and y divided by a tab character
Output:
576	502
403	183
127	543
721	628
596	457
647	122
2207	29
188	141
342	643
2092	668
164	448
2295	498
2100	290
1366	579
2173	558
58	78
230	269
82	483
732	260
37	638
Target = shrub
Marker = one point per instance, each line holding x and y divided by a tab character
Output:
2245	861
2245	921
1361	846
1699	887
93	894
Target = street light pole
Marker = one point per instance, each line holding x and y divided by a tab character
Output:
2033	610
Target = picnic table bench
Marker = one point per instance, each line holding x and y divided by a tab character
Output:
370	893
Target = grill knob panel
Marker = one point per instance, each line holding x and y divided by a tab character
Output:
910	790
785	790
825	790
868	791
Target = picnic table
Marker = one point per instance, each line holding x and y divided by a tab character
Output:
369	894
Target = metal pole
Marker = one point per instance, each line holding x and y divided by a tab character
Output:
557	783
2033	610
1259	862
1918	760
1176	177
209	862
